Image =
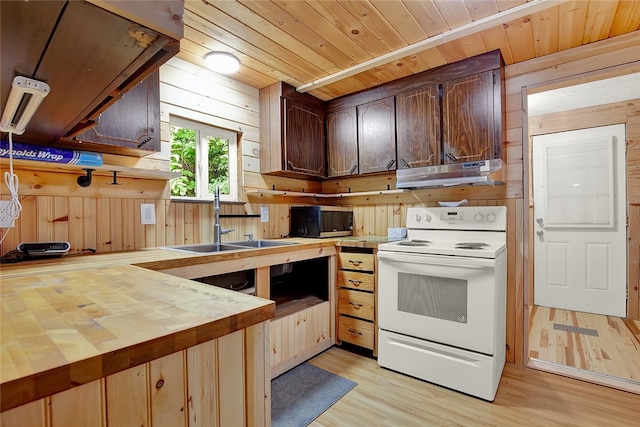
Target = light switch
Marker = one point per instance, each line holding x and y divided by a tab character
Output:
264	213
147	213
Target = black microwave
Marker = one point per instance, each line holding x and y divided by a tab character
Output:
320	221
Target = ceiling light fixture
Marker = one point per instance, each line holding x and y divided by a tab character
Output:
222	62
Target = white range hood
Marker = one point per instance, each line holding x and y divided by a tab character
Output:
455	174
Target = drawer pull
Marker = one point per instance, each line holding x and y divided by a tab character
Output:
355	262
354	332
355	282
355	305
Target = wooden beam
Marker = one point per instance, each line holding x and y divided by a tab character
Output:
505	16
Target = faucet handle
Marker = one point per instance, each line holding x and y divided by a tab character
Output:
249	236
227	230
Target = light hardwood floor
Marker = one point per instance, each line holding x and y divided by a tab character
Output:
526	397
614	352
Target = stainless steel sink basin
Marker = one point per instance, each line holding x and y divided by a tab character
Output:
261	243
205	248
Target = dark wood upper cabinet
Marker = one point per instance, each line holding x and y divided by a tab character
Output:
418	127
377	136
468	118
342	143
291	132
132	124
304	139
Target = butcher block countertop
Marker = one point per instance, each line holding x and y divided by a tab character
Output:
75	319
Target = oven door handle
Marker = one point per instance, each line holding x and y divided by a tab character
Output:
437	260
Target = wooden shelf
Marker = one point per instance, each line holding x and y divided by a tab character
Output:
323	195
125	166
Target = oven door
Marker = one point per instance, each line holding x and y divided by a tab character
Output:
450	300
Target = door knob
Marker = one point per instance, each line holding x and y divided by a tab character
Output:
540	233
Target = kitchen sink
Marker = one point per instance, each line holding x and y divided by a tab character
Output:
261	243
205	248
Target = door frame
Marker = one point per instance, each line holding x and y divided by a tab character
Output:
619	204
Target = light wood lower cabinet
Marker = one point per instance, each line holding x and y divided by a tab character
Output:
299	336
222	382
357	297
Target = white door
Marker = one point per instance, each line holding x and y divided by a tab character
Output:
580	257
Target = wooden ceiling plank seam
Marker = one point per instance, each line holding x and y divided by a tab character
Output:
455	13
472	45
415	63
427	15
479	9
571	29
349	27
520	36
270	53
508	4
496	38
398	69
480	25
401	19
373	20
432	57
333	57
627	18
545	31
317	23
452	51
600	16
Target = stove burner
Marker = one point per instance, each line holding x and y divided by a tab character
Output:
415	242
471	245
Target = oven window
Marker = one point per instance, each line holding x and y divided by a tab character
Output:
439	297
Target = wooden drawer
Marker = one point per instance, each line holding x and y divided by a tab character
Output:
356	303
355	280
355	261
354	331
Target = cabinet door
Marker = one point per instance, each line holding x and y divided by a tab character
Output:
469	126
377	136
303	139
342	142
133	121
418	125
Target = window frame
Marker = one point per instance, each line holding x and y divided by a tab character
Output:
204	130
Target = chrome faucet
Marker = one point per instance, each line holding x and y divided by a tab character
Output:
217	228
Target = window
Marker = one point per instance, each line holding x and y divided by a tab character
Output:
205	156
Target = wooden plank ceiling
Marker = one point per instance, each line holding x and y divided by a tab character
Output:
330	48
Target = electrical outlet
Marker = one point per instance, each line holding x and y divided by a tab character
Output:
5	219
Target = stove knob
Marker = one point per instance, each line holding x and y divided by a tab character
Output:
478	217
418	218
491	217
428	218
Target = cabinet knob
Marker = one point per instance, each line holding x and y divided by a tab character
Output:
355	282
355	262
355	305
354	332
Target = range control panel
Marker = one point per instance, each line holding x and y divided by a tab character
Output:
458	218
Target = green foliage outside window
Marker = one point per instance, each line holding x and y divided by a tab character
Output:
184	161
